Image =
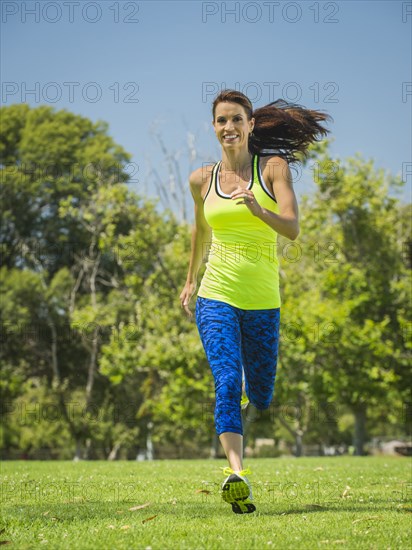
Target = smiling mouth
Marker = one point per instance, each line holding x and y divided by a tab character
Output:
230	137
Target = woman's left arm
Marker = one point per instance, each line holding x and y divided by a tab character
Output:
286	223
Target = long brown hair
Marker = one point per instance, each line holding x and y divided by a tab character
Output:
281	128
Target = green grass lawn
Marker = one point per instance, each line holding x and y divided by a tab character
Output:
350	502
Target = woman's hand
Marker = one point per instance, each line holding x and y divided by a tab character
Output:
246	197
186	295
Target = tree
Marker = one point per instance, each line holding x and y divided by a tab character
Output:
350	283
69	229
168	361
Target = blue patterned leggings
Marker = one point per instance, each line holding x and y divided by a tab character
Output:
234	338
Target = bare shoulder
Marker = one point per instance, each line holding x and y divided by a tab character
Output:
276	174
199	180
274	167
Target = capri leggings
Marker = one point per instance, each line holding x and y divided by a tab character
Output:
233	339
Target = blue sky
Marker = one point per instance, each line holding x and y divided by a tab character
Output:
352	59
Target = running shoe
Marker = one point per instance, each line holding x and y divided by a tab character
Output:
237	491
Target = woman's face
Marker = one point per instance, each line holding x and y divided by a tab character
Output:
232	128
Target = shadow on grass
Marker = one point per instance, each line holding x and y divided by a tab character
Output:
357	508
59	513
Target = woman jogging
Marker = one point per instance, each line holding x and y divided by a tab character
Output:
241	204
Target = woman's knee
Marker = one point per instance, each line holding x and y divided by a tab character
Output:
229	386
262	402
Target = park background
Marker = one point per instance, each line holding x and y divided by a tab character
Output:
106	108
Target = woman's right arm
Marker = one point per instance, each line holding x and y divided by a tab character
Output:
201	234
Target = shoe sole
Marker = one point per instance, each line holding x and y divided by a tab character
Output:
236	493
243	507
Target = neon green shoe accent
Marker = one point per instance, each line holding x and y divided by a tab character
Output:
228	471
244	401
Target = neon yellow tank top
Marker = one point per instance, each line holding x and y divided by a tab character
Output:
242	268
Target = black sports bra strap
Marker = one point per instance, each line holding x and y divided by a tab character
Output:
212	178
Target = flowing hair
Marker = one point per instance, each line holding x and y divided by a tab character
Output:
281	128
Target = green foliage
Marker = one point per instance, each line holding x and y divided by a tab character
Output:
345	314
35	423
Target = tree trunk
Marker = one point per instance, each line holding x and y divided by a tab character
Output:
149	443
78	451
360	428
95	343
92	367
214	448
299	443
114	451
54	360
297	434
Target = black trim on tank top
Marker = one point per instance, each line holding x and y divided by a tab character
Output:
210	181
249	184
262	185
